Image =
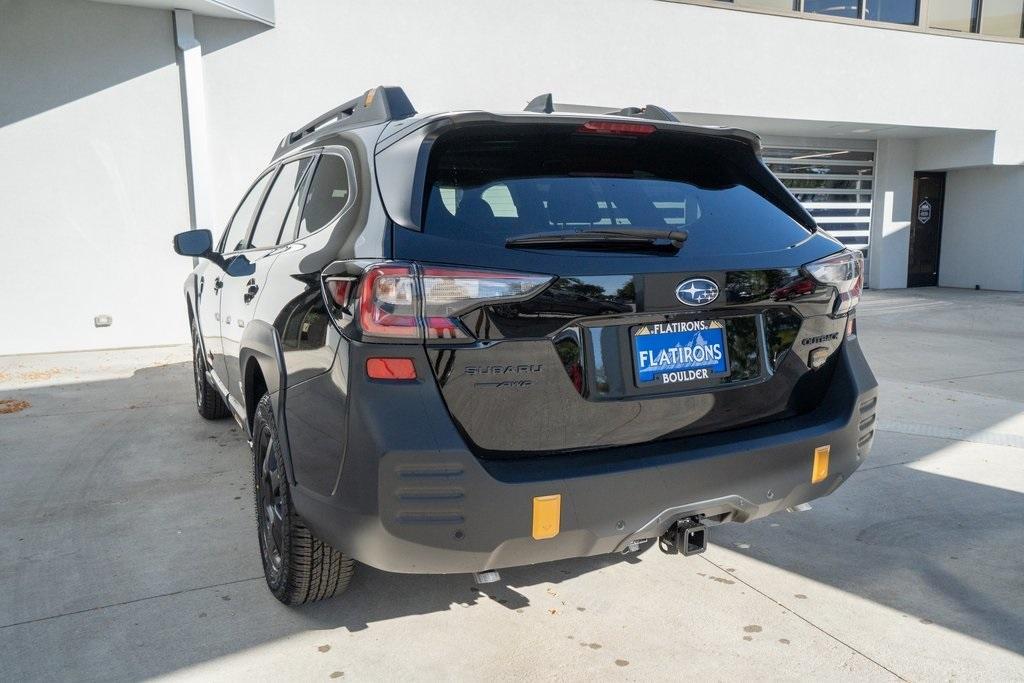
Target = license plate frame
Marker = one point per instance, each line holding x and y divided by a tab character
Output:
673	338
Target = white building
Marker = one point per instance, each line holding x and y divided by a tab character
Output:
122	124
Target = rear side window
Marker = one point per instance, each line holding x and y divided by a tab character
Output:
489	185
267	232
238	228
328	193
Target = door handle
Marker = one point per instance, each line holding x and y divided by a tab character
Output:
217	284
250	292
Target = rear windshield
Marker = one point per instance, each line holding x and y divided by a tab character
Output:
487	187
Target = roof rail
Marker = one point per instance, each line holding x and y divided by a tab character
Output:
377	105
545	104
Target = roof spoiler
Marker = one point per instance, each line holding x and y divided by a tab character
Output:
377	105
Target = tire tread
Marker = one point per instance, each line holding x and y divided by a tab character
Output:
212	406
313	569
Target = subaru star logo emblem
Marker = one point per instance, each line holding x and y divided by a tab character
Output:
697	291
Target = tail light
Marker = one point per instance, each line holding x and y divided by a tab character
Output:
408	301
845	272
388	303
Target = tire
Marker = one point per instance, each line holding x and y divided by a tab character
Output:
209	402
299	567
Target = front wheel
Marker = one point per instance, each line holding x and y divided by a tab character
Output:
209	402
299	567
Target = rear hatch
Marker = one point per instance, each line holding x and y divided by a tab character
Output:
676	303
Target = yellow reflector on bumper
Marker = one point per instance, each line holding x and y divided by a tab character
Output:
547	512
819	472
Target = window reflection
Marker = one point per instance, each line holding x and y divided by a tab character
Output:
835	8
1002	18
785	5
893	11
952	15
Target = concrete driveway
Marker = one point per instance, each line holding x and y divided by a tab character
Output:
129	549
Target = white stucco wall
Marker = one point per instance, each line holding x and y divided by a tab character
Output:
983	229
91	125
92	185
490	54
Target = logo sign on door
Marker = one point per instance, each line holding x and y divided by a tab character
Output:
924	212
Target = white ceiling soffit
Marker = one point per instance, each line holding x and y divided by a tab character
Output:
253	10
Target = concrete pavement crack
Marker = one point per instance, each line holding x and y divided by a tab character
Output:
802	617
127	602
980	374
980	436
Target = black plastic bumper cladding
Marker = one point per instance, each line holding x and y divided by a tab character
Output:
411	497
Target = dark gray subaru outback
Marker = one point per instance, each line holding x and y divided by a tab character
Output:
466	341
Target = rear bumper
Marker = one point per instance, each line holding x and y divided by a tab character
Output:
412	498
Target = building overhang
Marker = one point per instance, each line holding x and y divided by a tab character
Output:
261	11
937	148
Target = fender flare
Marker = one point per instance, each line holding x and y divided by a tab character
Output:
261	345
192	304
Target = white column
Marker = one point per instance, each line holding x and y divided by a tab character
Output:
190	55
890	213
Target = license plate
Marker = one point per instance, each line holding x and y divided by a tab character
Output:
687	351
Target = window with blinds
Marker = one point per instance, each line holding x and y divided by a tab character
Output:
834	185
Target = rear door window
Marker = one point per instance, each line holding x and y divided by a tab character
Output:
238	227
329	192
268	230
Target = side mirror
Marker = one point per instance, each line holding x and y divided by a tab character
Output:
194	243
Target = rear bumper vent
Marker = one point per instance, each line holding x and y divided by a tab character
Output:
866	427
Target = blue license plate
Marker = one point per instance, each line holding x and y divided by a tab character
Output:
686	351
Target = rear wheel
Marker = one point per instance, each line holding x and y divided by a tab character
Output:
299	567
209	402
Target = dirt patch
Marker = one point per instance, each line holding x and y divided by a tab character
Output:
9	405
39	375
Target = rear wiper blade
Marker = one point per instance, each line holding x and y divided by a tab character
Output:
643	239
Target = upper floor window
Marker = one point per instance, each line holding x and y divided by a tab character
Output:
893	11
953	15
769	4
1002	18
835	8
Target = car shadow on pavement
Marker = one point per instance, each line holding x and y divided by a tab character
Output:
409	594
